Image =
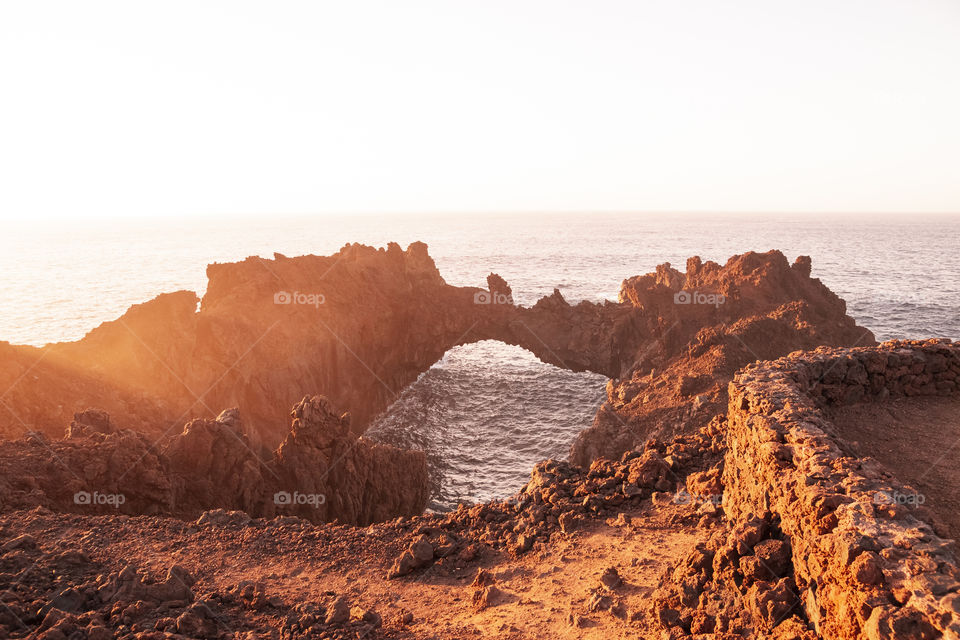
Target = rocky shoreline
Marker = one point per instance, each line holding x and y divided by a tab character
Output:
711	498
381	317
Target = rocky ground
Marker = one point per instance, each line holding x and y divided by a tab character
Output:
628	539
633	548
141	577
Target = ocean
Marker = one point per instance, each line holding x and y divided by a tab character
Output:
486	412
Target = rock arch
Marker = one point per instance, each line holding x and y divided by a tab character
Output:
362	324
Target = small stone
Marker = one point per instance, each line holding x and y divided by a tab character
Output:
67	600
403	565
567	521
668	617
867	568
422	552
578	621
483	578
524	543
339	611
611	579
489	596
359	614
599	602
24	541
661	498
774	555
197	622
708	508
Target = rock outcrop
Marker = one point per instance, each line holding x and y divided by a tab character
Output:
322	471
688	333
357	326
362	324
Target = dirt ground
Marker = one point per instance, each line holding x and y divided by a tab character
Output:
546	594
918	440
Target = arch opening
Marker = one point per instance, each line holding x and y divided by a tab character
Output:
484	414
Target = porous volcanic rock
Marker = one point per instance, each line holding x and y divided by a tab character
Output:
322	471
864	566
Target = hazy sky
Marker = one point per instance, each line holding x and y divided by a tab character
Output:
136	108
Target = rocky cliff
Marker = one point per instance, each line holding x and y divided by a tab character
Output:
362	324
357	326
698	328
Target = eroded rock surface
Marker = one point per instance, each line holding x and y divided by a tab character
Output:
699	328
321	472
361	325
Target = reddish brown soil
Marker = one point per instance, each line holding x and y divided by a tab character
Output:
918	441
292	565
299	563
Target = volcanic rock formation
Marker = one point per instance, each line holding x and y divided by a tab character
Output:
361	325
701	327
357	327
710	511
321	472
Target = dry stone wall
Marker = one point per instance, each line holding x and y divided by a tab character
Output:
866	568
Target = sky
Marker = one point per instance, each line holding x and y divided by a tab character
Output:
187	108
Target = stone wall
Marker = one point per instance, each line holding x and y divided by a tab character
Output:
865	568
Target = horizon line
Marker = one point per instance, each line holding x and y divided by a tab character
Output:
474	212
